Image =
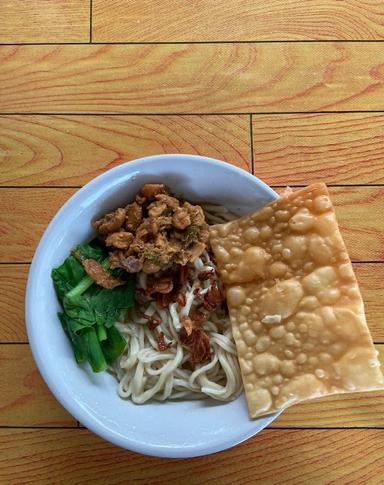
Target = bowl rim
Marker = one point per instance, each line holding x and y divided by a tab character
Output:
30	314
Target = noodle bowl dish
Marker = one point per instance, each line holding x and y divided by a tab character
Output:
126	313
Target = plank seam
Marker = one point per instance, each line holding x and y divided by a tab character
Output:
90	21
251	135
183	42
5	426
40	186
26	263
303	428
27	343
330	185
274	427
80	186
14	343
182	113
14	262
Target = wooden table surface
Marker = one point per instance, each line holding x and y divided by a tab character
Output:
291	90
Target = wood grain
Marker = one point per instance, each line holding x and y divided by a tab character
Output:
272	457
13	279
44	21
25	400
370	278
348	410
24	216
230	20
192	78
57	129
337	148
359	212
70	150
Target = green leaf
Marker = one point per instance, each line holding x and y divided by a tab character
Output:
81	311
100	305
94	352
77	341
91	311
87	282
111	302
90	251
120	273
71	273
114	345
66	276
101	333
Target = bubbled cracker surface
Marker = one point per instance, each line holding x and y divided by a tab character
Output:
296	309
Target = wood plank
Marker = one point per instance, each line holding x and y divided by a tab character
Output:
337	148
370	277
25	400
272	457
71	150
192	78
13	279
349	410
44	21
359	212
230	20
25	214
360	409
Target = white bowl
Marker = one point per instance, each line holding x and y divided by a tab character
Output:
170	429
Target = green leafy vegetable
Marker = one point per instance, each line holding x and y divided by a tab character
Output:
78	342
101	332
113	346
91	251
94	351
66	276
98	305
91	311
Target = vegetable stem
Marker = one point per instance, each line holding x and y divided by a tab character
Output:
85	283
94	351
91	311
101	333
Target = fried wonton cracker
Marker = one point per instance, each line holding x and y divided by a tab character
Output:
296	310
